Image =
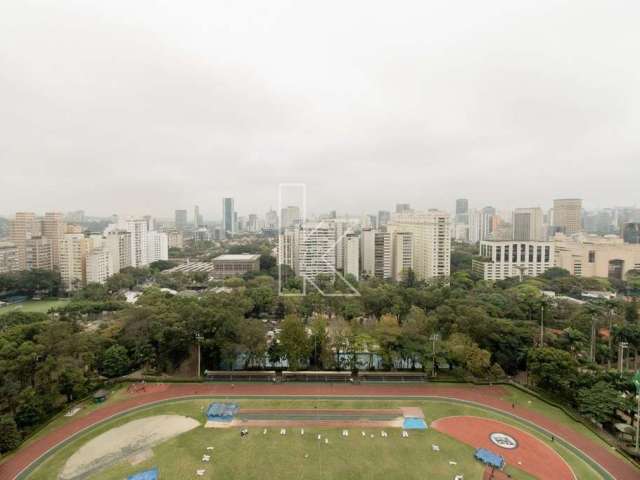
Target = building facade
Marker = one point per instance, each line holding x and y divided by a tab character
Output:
567	215
316	250
506	259
431	233
229	216
351	256
235	265
8	257
402	255
528	224
594	256
53	228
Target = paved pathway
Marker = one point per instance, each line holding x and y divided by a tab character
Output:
488	396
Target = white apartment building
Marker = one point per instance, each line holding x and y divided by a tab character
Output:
431	241
376	253
99	265
138	229
506	259
118	242
73	253
351	255
402	255
288	248
316	250
595	256
157	246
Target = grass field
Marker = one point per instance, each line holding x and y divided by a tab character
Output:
274	456
39	306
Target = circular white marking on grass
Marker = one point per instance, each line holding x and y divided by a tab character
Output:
503	440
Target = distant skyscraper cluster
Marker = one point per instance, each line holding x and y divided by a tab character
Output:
81	257
388	248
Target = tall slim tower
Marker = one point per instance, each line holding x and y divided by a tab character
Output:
181	220
228	216
53	229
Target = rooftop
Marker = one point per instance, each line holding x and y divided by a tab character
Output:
238	257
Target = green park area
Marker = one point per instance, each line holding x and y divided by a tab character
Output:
34	306
296	456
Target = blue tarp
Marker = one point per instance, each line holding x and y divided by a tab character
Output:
221	412
413	423
489	458
146	475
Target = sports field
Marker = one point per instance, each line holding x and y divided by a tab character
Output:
38	306
296	456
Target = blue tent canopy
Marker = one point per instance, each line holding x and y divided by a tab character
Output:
221	412
146	475
489	458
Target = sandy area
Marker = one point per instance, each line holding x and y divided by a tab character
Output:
123	442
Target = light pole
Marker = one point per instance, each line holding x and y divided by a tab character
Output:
434	338
542	325
621	347
198	340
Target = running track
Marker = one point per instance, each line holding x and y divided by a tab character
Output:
486	395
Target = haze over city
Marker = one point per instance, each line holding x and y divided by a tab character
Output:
121	107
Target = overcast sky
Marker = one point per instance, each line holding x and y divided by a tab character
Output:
148	106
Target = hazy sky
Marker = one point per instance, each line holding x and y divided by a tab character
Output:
148	106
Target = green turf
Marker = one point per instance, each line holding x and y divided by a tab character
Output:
37	306
276	457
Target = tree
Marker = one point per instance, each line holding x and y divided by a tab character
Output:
120	281
252	340
294	342
600	402
9	435
115	361
552	369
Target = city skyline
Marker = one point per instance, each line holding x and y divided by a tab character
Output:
184	107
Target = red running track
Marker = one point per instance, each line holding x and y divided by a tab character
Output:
531	455
485	395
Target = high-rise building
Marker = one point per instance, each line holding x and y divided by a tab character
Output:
22	228
99	265
118	242
138	229
290	216
375	253
271	220
180	220
481	224
175	239
631	232
462	211
431	241
403	208
528	224
316	250
53	228
567	215
229	216
383	217
8	257
382	255
197	218
75	217
288	248
39	254
73	256
402	255
157	246
351	255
